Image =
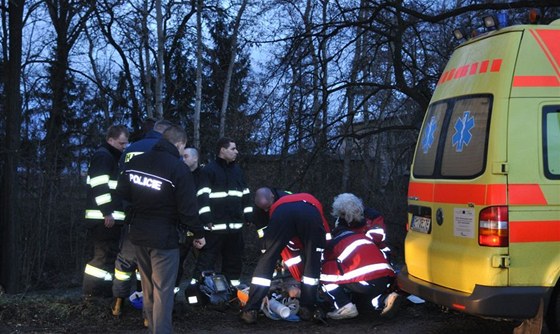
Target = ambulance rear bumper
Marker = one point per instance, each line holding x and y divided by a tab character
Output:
484	301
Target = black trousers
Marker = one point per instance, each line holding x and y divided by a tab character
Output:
125	267
373	290
298	219
98	273
225	246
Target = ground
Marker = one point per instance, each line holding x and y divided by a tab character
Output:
63	311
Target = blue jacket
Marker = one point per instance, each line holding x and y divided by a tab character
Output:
142	146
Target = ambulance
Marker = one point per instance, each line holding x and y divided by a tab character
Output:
484	192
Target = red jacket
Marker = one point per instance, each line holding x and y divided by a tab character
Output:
352	257
291	254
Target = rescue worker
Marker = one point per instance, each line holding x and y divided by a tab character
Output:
226	206
125	264
191	160
353	262
104	213
296	217
160	191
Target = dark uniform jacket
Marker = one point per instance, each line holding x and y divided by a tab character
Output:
225	197
161	192
102	177
138	147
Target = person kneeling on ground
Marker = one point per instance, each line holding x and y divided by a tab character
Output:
353	262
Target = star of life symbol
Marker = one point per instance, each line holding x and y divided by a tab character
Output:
428	139
463	135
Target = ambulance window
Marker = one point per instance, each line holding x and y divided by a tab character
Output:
426	152
551	142
464	153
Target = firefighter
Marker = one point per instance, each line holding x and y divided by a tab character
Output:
226	206
104	214
298	218
125	264
161	195
353	262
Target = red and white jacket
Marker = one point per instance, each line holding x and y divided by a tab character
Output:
351	257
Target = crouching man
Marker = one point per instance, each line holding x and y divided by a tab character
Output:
353	263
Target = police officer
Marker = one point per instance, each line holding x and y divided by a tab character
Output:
160	191
296	215
226	207
125	264
103	211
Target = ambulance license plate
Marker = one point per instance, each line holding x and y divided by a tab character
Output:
421	224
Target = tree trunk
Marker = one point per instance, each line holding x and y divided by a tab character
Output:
10	227
198	97
350	93
227	84
159	60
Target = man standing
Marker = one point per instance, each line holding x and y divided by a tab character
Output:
226	206
297	217
102	211
160	191
125	264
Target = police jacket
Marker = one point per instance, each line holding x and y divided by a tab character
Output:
225	197
138	147
160	191
102	177
351	257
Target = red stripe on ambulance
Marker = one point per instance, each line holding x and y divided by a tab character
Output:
534	231
526	194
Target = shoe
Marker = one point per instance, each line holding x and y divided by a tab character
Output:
249	317
392	304
345	312
305	313
116	308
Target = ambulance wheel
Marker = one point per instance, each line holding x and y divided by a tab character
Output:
553	314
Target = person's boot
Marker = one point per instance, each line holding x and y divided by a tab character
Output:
116	308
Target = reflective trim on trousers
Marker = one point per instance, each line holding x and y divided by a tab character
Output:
330	287
98	272
203	210
98	180
96	214
235	282
328	236
138	276
248	209
113	184
103	199
260	232
293	261
309	280
261	281
202	191
122	275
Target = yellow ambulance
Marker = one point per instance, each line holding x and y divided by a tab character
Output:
484	192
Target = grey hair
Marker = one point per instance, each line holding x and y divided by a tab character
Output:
348	207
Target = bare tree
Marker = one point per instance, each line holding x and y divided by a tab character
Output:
233	55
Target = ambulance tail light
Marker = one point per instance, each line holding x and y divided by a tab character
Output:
493	227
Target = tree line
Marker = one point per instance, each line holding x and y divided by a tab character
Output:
322	96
